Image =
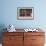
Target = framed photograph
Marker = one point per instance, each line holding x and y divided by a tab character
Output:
25	13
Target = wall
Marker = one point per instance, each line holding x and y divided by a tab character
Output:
9	13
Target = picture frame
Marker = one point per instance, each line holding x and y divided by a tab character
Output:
25	13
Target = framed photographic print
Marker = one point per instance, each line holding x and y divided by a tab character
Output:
25	13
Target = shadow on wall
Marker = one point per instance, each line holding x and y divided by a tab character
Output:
2	26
